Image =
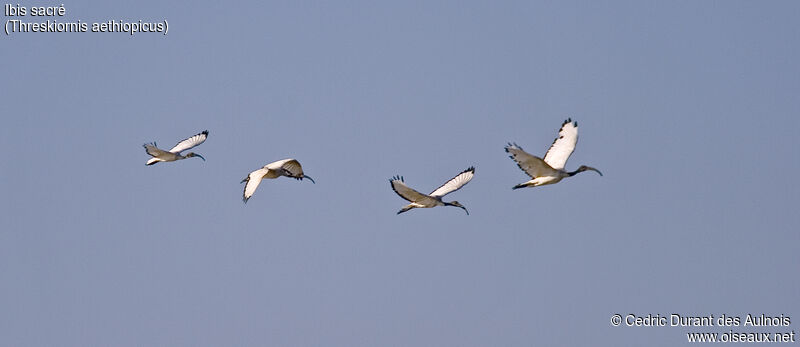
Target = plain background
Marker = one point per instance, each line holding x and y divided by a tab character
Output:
689	108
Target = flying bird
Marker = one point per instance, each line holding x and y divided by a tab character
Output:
549	170
175	153
433	199
286	167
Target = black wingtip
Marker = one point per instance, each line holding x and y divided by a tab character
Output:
512	144
205	132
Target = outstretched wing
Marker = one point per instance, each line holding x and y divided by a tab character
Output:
292	168
253	180
190	142
152	150
563	145
454	184
289	168
407	193
532	165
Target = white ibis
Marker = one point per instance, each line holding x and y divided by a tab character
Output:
286	167
175	153
549	170
419	200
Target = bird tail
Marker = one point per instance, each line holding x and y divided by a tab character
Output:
521	185
405	208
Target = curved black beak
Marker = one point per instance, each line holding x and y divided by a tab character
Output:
457	204
310	179
595	170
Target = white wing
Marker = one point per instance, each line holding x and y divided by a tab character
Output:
190	142
454	184
253	180
288	167
532	165
563	145
276	165
409	194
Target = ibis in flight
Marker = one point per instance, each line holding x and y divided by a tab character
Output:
419	200
549	170
286	167
175	153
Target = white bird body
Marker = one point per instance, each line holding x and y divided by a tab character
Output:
419	200
159	155
549	170
286	167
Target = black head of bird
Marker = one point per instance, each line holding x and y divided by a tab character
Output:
457	204
585	168
193	154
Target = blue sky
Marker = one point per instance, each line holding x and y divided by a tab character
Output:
689	109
